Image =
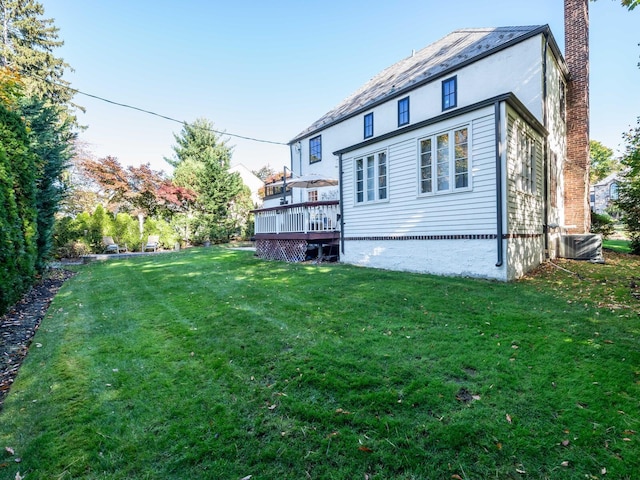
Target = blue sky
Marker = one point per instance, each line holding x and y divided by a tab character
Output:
268	70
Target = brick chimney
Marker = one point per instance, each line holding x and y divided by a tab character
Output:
576	171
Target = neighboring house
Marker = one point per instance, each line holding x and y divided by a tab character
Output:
251	180
449	161
603	193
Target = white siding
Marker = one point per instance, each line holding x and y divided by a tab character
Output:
407	212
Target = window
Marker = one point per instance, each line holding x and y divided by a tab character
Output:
403	111
371	178
444	161
368	125
563	101
613	191
449	93
527	159
315	149
312	196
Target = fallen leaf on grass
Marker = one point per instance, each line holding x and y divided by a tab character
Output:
508	417
18	476
455	476
10	450
521	471
247	477
564	464
362	448
344	412
603	471
565	443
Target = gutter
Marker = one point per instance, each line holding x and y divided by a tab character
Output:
499	230
341	204
545	160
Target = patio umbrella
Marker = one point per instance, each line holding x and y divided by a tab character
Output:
312	180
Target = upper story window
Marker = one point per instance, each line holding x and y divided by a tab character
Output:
315	149
449	93
371	178
403	111
368	125
312	196
444	161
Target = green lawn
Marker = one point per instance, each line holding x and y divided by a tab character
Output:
620	246
209	363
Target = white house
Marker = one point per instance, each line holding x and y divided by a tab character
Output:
250	180
449	162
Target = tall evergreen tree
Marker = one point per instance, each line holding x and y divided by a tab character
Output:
51	143
202	160
27	44
629	192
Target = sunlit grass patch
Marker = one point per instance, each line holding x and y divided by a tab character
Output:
210	363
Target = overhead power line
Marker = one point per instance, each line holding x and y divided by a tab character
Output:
149	112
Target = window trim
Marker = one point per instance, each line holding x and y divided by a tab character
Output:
527	158
451	164
402	112
448	81
368	127
312	150
376	186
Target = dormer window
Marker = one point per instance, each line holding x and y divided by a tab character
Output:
450	93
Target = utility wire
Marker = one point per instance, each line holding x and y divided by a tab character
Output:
124	105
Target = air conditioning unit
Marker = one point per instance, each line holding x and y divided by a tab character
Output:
582	247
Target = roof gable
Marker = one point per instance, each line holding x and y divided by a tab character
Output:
451	52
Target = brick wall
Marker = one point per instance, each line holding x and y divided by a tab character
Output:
576	173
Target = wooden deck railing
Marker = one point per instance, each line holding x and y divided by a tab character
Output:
309	217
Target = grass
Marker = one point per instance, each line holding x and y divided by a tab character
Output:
620	246
209	363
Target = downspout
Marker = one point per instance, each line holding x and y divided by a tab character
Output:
545	160
341	203
498	133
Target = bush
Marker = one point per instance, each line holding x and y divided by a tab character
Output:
602	224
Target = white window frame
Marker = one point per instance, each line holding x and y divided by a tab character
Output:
430	181
372	186
526	154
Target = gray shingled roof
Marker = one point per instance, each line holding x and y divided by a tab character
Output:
450	52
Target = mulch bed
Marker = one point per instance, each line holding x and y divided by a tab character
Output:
20	323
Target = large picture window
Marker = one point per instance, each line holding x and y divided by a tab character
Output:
315	149
371	178
444	161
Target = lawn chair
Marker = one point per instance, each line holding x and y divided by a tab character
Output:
112	247
152	243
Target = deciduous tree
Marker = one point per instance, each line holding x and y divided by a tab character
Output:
629	187
603	163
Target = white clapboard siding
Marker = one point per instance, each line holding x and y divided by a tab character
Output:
406	212
524	210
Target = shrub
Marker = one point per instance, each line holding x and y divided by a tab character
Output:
602	224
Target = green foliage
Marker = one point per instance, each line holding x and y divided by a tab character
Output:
602	162
27	46
629	187
18	213
51	139
209	363
202	160
602	224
